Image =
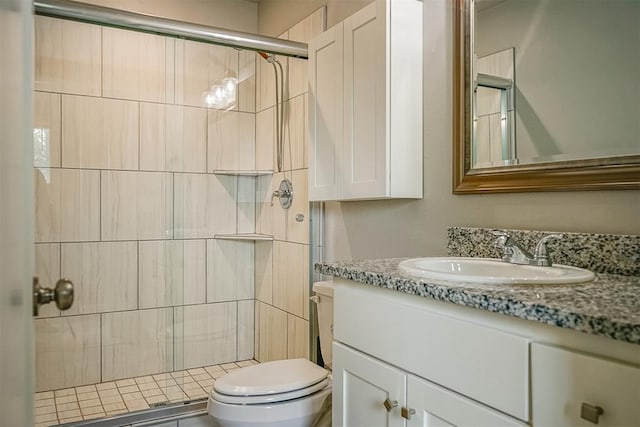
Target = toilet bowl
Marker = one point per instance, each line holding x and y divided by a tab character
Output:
283	393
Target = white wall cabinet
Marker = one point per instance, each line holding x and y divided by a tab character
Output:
448	365
365	106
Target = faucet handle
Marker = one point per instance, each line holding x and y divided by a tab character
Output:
501	240
541	255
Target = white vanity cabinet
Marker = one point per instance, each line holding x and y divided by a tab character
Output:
571	388
369	392
448	365
365	105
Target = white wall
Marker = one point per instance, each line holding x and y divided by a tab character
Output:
407	228
239	15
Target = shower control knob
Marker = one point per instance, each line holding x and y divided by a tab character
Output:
62	294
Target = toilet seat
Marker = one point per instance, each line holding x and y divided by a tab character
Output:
274	378
269	398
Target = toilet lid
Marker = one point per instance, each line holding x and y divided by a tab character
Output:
280	376
269	398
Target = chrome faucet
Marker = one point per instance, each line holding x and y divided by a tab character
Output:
514	253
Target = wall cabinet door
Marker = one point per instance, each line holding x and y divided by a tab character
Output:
365	107
361	385
365	172
326	115
435	406
564	381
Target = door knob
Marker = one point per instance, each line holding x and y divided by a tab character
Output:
62	294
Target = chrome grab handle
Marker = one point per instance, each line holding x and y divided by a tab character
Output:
62	294
407	412
390	404
591	413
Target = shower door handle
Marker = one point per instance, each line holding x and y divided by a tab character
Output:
62	294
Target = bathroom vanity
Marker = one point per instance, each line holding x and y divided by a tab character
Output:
412	352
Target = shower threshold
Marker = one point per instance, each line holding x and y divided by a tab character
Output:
148	417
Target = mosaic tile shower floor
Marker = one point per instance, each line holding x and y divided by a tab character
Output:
126	395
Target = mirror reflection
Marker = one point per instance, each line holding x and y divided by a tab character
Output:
554	80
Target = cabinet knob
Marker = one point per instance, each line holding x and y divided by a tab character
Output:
407	412
591	413
390	404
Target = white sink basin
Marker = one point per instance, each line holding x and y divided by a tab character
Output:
492	271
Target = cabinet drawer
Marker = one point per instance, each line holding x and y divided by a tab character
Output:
485	364
562	381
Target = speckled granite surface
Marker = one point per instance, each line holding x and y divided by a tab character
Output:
608	306
600	253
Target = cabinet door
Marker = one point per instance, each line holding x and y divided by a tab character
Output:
438	407
563	381
325	115
365	115
361	386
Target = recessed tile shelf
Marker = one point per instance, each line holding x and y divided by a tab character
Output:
243	236
243	172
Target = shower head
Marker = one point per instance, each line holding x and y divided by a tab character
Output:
269	57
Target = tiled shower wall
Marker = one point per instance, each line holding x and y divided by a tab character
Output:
127	204
282	268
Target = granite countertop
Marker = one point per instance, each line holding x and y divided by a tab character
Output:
608	306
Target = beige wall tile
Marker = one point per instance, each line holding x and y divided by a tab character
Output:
204	205
67	351
282	222
246	326
230	270
173	138
104	275
137	66
266	139
247	81
172	272
297	337
136	205
136	343
99	133
246	204
47	121
67	205
289	273
276	213
296	231
48	273
303	31
231	143
264	210
198	67
67	56
271	342
295	134
264	271
206	334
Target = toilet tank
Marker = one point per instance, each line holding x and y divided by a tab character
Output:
324	306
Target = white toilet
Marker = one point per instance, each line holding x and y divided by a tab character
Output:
283	393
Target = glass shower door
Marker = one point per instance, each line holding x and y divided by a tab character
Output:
16	215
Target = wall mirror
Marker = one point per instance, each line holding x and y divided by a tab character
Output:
546	95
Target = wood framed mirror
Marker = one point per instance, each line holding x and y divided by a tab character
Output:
522	115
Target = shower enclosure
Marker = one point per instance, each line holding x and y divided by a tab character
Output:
153	178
